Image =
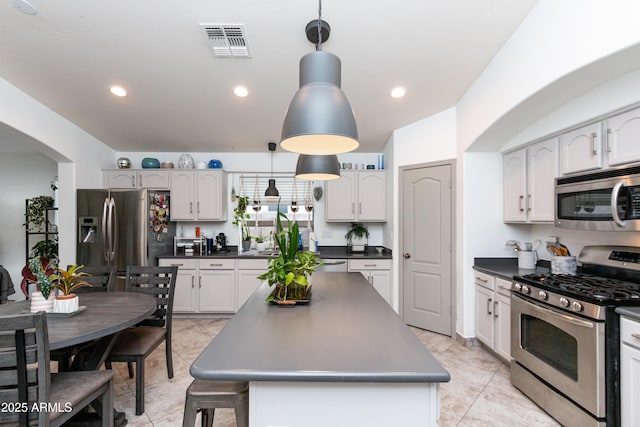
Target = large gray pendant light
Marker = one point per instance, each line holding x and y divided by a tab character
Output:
318	168
272	191
319	119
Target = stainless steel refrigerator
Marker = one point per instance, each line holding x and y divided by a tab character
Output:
122	227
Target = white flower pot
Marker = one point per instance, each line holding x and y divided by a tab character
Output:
261	247
66	304
38	303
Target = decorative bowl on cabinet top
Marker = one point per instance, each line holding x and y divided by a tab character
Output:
150	163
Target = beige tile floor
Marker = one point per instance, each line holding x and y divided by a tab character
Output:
479	393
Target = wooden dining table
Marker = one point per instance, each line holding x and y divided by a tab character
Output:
103	315
93	331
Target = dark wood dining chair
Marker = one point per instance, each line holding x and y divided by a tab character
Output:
33	394
101	278
136	343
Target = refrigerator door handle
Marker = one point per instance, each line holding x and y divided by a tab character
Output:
104	225
114	230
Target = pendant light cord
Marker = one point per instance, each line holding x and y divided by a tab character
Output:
319	44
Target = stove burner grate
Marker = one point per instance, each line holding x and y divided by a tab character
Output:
599	289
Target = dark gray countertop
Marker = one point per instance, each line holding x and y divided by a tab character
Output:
325	252
633	312
347	333
506	268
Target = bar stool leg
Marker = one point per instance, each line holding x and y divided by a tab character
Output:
207	417
242	413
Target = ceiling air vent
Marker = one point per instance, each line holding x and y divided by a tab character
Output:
227	40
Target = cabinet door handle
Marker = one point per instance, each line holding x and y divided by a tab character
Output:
353	207
199	281
359	207
636	336
607	140
177	265
198	207
140	180
190	207
528	202
520	201
479	279
489	306
215	265
370	265
133	181
593	143
495	309
193	282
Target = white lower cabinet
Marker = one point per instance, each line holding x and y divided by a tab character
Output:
493	313
204	285
377	272
629	371
248	282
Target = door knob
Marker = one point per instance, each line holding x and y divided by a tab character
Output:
407	255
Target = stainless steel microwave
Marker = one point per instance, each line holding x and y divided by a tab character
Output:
607	200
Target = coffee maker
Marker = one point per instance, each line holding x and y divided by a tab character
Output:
221	242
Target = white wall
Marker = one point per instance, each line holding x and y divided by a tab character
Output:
428	140
556	39
80	156
23	176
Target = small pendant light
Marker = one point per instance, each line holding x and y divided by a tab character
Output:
318	168
319	119
272	191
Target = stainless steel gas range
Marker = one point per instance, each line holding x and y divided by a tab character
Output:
565	335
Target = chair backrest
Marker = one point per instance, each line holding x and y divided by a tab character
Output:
159	282
101	279
24	368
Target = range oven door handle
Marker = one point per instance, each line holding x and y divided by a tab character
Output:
563	317
614	204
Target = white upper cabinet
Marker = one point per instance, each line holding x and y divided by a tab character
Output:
528	183
356	196
198	195
622	142
156	179
580	149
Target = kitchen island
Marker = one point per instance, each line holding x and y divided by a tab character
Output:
344	359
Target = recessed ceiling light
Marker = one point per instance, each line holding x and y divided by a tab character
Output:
25	7
240	91
398	92
118	91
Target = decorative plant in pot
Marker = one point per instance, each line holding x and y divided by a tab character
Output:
356	236
47	252
49	277
35	214
290	271
39	271
240	217
261	244
67	281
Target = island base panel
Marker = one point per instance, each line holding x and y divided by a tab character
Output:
320	404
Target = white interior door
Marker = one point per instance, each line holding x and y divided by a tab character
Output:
427	247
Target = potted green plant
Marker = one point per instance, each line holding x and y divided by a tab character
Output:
261	244
240	217
46	251
35	213
355	237
67	281
39	271
291	269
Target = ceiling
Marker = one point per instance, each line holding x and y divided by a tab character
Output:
180	98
